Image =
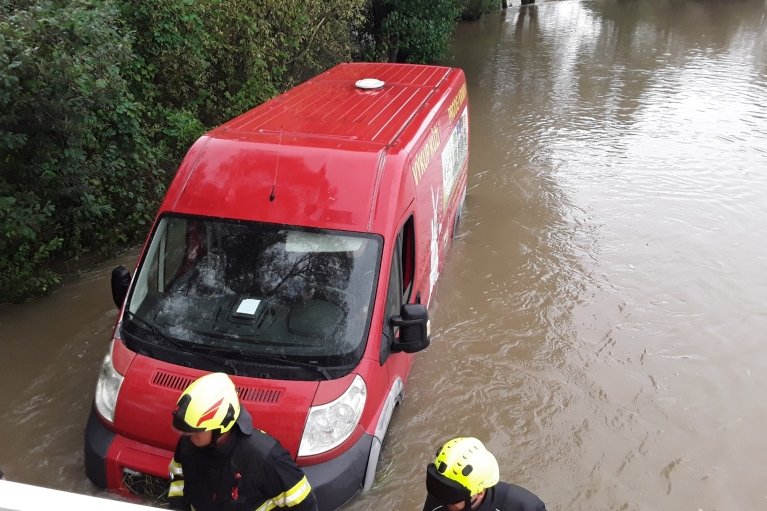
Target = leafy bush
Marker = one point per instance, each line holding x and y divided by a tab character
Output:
319	34
214	59
78	171
22	266
474	9
99	99
417	31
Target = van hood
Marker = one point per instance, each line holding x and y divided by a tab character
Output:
151	388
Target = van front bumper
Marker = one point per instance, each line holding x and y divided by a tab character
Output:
109	455
336	481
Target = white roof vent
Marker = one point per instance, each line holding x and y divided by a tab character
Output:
369	83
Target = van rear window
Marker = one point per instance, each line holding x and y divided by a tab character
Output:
255	295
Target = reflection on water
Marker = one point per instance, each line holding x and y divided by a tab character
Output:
606	302
600	319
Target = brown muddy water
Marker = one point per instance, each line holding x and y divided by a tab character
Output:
602	318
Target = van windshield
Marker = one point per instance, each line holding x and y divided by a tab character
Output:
253	292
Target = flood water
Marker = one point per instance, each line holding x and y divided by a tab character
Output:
601	320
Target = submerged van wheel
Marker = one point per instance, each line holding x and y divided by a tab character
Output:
392	403
458	214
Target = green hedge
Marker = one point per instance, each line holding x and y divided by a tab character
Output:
417	31
78	170
474	9
99	100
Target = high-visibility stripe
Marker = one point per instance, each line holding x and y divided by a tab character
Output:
267	506
175	469
293	496
176	489
298	493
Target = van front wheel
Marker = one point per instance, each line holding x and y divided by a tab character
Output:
394	399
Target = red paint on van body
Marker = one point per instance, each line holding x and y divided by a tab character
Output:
387	163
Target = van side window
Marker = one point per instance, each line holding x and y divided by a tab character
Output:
407	239
166	267
394	294
401	280
173	255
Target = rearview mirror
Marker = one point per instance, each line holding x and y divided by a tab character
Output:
413	323
120	284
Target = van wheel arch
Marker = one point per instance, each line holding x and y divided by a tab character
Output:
393	399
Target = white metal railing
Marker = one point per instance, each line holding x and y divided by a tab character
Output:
25	497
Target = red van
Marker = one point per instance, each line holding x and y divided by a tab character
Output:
297	249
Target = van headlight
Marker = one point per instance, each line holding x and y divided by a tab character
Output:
107	388
330	424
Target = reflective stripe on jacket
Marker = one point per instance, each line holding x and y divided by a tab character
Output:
248	470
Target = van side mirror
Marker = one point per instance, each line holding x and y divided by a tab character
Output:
120	284
413	323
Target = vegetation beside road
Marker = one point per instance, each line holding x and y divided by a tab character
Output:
99	100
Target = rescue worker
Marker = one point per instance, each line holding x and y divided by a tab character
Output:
223	462
464	476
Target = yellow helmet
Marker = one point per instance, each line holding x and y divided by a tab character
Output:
463	468
210	403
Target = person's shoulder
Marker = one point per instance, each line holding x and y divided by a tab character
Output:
261	442
265	439
513	497
431	504
183	448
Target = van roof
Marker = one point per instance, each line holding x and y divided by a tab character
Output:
330	105
312	156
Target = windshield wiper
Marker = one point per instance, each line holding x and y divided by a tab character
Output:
287	362
221	355
254	358
186	347
154	329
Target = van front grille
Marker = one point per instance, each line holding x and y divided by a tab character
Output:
171	381
248	394
256	395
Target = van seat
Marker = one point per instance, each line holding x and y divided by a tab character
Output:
314	318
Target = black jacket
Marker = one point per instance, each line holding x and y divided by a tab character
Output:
501	497
249	470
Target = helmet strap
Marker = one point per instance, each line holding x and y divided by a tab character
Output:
214	436
476	500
